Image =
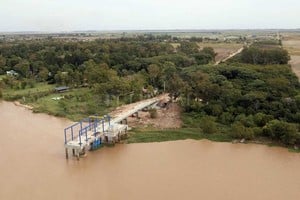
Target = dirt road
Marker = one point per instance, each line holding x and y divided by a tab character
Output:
230	56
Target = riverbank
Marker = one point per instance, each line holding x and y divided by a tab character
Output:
149	135
17	103
155	135
73	104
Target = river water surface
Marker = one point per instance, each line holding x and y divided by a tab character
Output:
33	166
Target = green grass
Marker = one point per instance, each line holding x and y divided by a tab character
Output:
148	135
15	94
2	76
294	150
154	135
77	103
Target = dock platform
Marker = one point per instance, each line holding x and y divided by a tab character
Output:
94	131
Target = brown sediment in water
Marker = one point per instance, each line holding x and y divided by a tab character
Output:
33	166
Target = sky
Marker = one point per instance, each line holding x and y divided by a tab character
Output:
101	15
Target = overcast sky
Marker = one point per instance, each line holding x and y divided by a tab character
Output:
71	15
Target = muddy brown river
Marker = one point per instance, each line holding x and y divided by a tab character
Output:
33	167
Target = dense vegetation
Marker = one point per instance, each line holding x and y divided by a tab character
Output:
255	96
264	53
255	101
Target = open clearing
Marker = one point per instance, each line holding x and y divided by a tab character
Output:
223	50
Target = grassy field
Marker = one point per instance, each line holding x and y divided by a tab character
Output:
38	88
73	104
223	50
291	42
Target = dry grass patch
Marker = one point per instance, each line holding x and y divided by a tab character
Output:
223	50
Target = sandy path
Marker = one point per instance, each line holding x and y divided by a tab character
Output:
230	56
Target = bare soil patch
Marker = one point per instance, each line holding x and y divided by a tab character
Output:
168	117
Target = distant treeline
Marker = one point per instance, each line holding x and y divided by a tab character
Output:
38	59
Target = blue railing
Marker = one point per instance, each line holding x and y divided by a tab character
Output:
78	129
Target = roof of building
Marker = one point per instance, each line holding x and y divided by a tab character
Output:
61	88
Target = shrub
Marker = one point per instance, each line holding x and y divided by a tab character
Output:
226	118
245	120
153	113
208	125
238	130
258	131
23	85
280	130
261	119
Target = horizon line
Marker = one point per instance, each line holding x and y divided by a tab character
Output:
149	30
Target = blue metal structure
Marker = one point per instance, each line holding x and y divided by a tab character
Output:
78	129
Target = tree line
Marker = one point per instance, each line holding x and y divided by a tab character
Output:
256	96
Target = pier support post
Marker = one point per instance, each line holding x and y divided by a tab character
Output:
67	153
137	115
77	154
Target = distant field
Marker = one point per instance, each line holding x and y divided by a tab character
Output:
293	46
295	62
291	42
223	50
